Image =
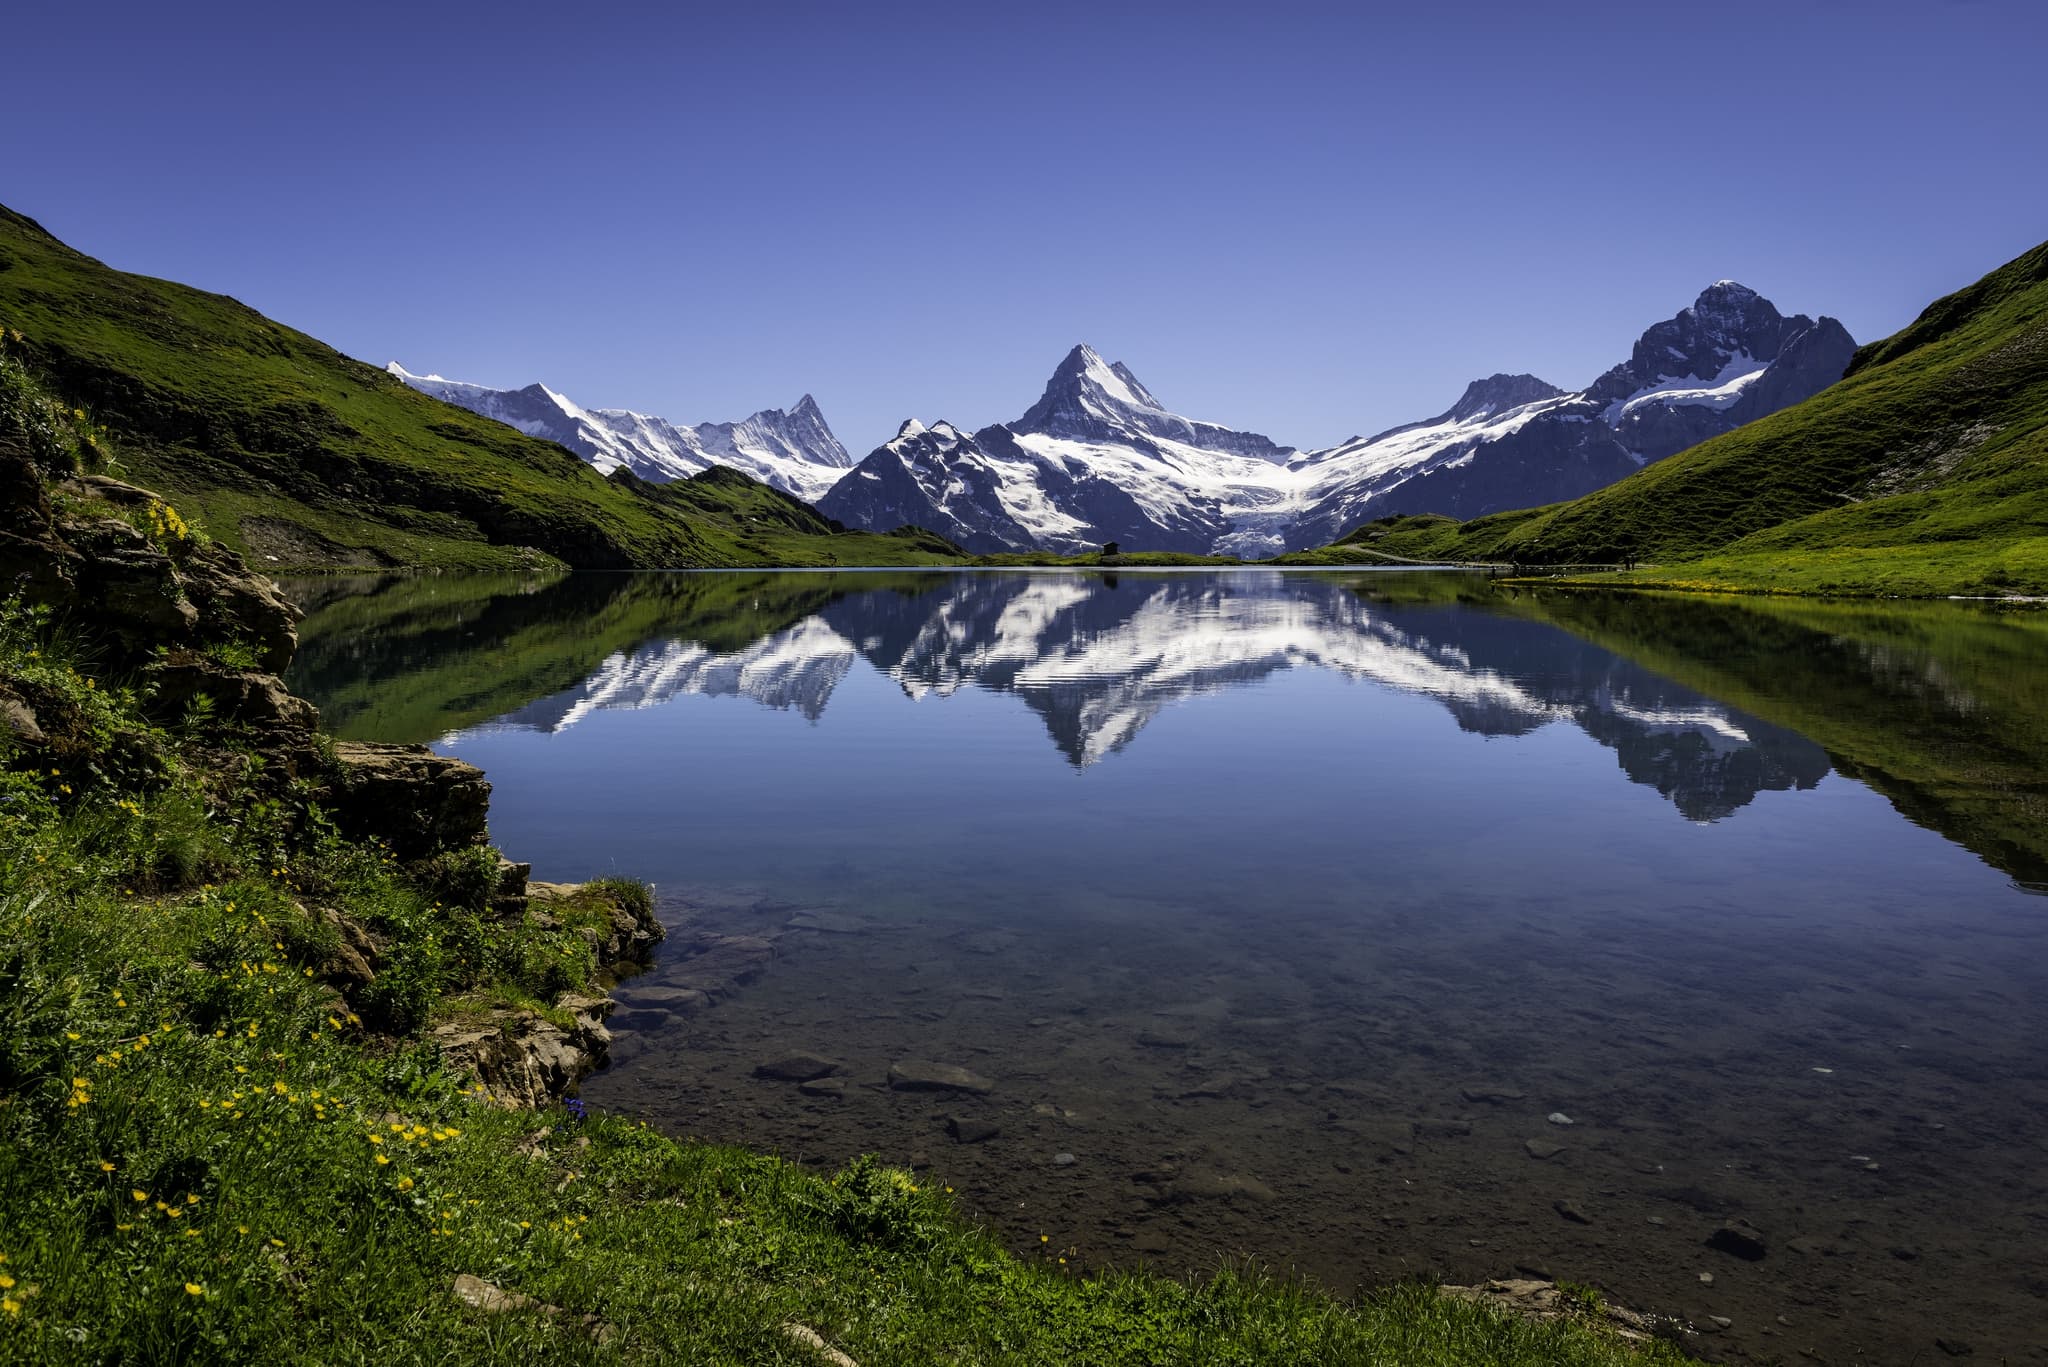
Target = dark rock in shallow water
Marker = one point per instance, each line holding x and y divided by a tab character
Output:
1491	1096
1542	1148
1203	1185
674	999
834	1087
966	1130
1740	1238
912	1075
796	1068
717	964
1166	1037
1570	1211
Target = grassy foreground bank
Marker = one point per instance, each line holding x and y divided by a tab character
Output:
216	1145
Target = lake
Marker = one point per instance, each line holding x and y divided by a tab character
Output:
1370	924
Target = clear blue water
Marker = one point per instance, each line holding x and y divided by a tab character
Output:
1289	906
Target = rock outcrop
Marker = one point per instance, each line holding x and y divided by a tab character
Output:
531	1058
415	801
522	1058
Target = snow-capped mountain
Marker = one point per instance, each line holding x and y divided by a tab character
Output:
793	450
1098	458
1513	441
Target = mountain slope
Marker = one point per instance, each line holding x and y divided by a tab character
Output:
793	450
301	456
1512	440
1924	471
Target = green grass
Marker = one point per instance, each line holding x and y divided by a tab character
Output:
304	458
1923	472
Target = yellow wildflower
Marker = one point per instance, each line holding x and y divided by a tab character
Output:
194	1289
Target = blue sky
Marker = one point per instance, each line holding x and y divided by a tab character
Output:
1310	221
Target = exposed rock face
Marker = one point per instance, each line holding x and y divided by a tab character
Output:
524	1059
18	720
1086	400
163	603
415	801
244	696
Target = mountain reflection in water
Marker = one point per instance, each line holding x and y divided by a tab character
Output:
1098	657
1709	702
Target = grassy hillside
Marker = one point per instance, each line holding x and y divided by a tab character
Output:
304	458
1924	471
